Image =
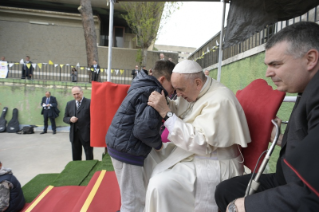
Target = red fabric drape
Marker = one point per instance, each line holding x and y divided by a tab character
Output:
260	103
106	98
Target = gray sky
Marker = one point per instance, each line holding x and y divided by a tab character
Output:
193	24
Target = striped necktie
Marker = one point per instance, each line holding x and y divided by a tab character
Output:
79	105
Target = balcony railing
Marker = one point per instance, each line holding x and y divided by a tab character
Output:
207	54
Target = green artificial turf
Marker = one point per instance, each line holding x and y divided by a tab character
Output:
74	173
273	160
35	186
105	164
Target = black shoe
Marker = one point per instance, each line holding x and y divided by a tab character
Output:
43	132
54	132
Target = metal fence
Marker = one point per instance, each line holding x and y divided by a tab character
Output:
63	73
207	54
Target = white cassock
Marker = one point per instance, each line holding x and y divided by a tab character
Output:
204	150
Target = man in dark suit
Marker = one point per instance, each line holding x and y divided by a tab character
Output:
49	110
144	69
77	114
95	70
292	57
27	69
135	72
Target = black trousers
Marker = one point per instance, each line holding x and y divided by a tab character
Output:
77	147
95	76
52	120
25	74
234	188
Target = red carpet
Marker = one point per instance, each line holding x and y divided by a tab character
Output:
59	199
106	98
101	194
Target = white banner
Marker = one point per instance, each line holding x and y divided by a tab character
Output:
34	65
3	69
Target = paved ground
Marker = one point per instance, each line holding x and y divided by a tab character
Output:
30	155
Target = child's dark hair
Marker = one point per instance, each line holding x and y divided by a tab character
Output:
163	68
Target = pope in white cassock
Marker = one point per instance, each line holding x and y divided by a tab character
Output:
207	126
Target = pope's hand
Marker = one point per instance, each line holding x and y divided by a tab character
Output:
159	103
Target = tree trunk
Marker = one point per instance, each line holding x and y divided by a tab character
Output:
89	33
144	54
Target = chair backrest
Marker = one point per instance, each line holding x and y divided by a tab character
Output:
106	98
260	104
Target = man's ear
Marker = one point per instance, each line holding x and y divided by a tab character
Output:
161	79
198	83
312	57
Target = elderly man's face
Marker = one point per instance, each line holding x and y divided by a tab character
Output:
47	94
77	93
206	72
287	72
136	67
185	88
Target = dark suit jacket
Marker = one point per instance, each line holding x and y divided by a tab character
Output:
26	69
53	111
134	73
83	115
146	71
305	117
97	67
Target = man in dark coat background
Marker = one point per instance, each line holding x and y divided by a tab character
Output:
77	114
95	70
49	110
135	72
27	68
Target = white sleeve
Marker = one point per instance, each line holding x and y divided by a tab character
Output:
184	136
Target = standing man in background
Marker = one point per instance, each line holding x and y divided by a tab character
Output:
162	56
49	110
77	114
95	71
135	72
27	68
206	73
144	69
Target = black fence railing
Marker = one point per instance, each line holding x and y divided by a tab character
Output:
207	54
63	73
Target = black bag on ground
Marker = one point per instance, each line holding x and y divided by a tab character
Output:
13	125
27	130
3	121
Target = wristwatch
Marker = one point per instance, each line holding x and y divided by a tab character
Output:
168	115
232	207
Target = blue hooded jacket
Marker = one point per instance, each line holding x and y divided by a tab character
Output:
135	128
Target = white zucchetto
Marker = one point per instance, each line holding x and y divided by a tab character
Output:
187	67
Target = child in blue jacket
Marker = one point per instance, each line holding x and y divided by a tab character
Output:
134	131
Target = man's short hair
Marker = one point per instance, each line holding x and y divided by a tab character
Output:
48	92
28	57
301	36
77	87
163	68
